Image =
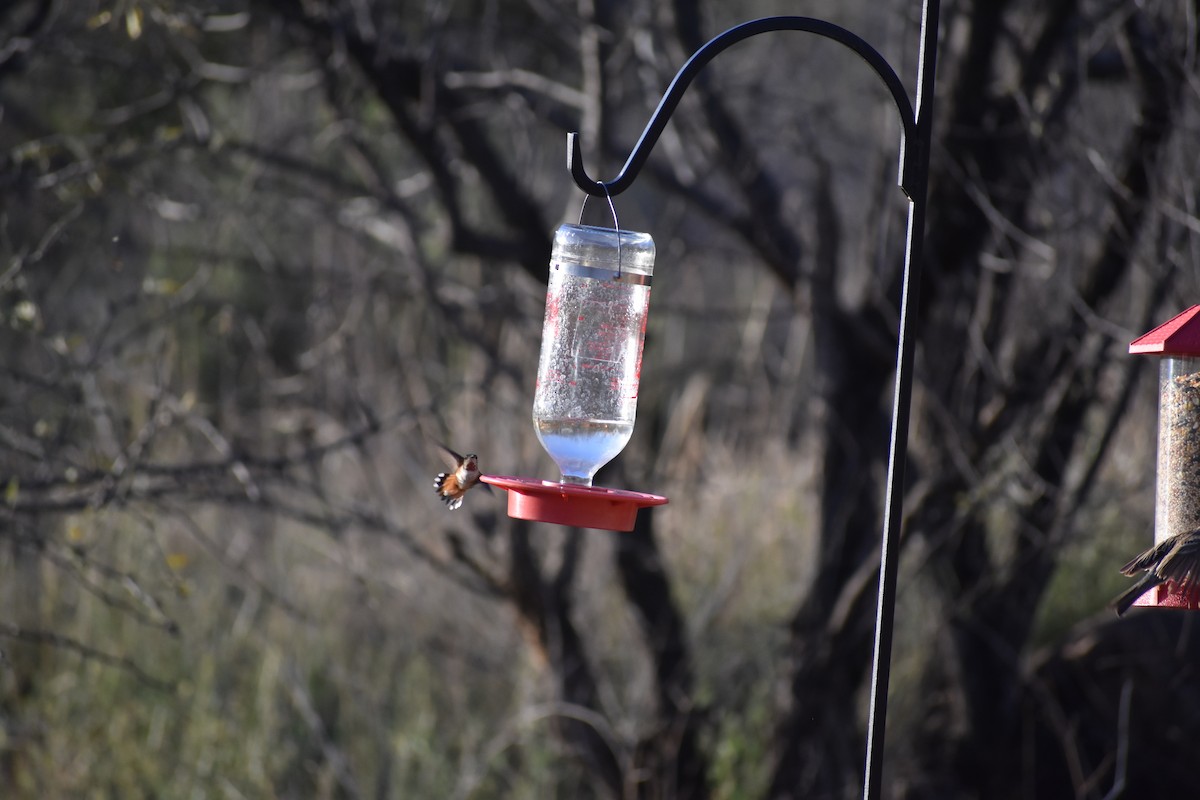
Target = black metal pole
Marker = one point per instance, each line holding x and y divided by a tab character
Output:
914	180
885	610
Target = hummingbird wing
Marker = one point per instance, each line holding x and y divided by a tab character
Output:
452	459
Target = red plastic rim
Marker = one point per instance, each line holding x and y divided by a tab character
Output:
1171	595
566	504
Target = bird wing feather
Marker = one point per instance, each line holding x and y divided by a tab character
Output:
1182	564
451	458
1149	559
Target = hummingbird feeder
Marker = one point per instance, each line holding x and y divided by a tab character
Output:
1177	491
595	322
597	299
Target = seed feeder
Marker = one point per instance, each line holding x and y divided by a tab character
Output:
1177	491
597	299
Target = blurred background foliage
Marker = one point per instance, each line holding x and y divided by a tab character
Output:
257	257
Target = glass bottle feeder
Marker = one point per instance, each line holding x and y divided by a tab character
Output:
597	299
1177	491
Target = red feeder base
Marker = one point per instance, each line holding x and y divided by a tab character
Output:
1171	595
567	504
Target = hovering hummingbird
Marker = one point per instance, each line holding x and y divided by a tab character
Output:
464	473
1176	559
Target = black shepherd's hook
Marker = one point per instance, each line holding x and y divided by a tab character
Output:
683	79
917	122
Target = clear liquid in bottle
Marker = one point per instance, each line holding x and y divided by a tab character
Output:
597	300
582	446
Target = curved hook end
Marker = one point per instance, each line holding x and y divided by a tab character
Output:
575	165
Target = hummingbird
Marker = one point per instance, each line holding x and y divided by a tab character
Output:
1176	559
464	473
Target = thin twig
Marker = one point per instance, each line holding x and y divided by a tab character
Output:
61	641
1122	760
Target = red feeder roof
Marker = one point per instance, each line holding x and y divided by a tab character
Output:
1178	336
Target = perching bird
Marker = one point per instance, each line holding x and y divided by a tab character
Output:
464	473
1176	559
